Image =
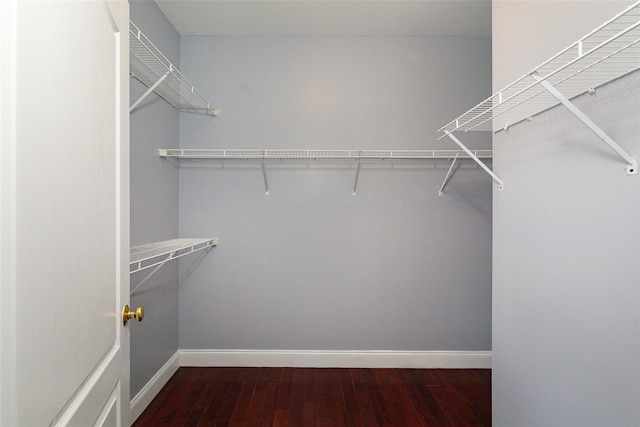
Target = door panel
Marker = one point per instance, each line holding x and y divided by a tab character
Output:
96	400
71	214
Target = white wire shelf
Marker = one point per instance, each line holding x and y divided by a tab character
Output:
607	53
156	254
154	70
314	155
263	157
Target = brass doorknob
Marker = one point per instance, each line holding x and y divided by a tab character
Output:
137	314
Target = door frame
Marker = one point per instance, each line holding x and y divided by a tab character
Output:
8	61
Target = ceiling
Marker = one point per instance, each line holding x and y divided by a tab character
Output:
328	17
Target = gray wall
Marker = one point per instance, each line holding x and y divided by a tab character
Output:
154	207
310	266
566	318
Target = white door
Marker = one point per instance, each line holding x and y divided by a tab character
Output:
64	212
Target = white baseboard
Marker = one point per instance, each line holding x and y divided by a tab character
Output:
338	359
140	402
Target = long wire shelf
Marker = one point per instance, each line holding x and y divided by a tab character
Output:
315	155
609	52
154	70
263	157
605	54
154	254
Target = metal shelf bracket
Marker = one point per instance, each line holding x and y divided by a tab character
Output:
632	164
264	176
156	255
476	159
152	272
448	176
151	89
355	183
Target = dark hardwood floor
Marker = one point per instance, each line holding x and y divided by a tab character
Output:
302	397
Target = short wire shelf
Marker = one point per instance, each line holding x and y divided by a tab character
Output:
154	70
606	54
154	254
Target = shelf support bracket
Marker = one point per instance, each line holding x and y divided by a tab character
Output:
446	178
355	183
264	176
151	89
632	164
158	267
476	159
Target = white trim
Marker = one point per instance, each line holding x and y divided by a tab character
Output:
338	359
140	402
106	376
8	148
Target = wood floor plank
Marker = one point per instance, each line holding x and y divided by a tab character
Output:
226	378
185	397
464	391
300	377
256	404
206	396
219	413
394	395
301	397
282	414
377	402
365	404
336	397
442	405
421	398
170	389
243	401
267	416
352	413
310	392
323	396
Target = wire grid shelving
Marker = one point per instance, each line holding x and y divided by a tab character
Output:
157	254
154	70
607	53
314	155
263	157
